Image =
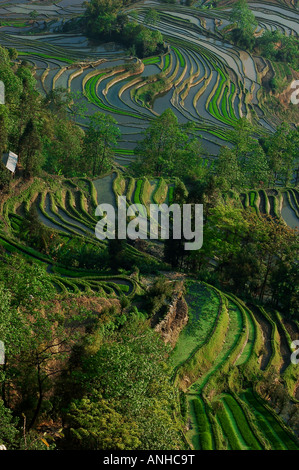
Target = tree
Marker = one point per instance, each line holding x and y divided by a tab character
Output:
58	101
148	41
228	170
247	158
255	165
13	84
284	284
28	282
27	332
65	150
77	107
100	13
117	253
241	135
246	22
274	45
35	233
13	53
4	178
102	134
94	424
3	133
37	336
167	147
33	14
105	18
151	17
130	373
157	295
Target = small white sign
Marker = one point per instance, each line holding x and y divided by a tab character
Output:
2	92
2	353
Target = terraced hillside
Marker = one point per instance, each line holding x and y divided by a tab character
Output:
279	203
201	77
230	353
67	207
224	340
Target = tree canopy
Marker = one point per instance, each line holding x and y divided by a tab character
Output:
167	147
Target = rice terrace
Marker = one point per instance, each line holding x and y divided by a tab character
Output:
122	344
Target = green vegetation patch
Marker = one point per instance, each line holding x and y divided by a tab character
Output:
203	307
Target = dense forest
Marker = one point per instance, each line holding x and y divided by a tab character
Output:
123	344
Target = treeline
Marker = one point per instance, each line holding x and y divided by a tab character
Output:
42	131
263	162
168	149
105	20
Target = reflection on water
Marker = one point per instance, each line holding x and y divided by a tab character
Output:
288	214
104	190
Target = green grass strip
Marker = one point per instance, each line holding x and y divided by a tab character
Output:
274	432
204	428
242	423
180	56
229	431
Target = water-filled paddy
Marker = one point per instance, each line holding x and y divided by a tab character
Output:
194	64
